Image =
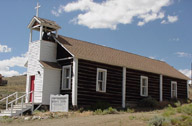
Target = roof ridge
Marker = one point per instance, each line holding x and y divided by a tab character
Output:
114	49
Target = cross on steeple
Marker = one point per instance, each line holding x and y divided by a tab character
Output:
37	8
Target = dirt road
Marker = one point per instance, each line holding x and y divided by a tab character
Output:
127	119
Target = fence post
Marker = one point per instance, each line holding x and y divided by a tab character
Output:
22	106
11	108
6	103
16	97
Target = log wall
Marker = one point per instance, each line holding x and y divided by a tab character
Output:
87	94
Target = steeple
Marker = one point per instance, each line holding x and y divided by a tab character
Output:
44	26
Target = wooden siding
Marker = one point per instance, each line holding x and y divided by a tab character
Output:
33	67
87	94
62	53
181	88
133	85
51	84
69	92
48	51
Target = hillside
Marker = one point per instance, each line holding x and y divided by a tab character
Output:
15	84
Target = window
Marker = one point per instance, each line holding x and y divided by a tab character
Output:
144	86
101	80
66	77
173	89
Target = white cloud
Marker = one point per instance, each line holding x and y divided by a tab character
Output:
5	65
183	54
152	57
110	13
170	19
186	72
174	39
4	48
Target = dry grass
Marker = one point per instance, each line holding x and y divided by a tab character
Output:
15	84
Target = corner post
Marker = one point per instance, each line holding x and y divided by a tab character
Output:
74	82
161	88
56	33
124	88
30	36
41	32
187	89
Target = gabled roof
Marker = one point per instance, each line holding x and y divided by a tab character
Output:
93	52
44	22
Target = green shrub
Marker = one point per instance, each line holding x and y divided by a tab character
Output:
148	102
169	111
130	110
110	110
157	121
98	112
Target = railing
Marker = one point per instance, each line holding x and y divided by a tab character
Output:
22	100
7	98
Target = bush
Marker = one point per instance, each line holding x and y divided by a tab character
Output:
130	110
110	110
157	121
148	102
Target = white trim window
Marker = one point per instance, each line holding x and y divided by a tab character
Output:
144	86
101	80
173	89
66	77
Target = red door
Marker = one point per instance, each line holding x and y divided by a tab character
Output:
32	87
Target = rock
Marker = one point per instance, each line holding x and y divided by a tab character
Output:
36	117
45	117
27	118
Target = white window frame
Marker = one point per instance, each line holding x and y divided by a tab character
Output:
141	86
173	83
63	79
104	81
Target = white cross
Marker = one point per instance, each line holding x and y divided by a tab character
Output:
37	7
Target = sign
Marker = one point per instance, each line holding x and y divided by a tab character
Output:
59	103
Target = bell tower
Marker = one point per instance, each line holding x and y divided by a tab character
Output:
44	26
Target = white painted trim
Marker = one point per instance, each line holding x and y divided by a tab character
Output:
173	82
74	82
124	88
65	58
62	87
105	79
63	46
141	78
30	35
161	88
41	32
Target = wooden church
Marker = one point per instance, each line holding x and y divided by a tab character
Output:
89	73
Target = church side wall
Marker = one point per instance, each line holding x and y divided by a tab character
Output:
51	84
33	67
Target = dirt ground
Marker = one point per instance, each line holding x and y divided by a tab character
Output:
127	119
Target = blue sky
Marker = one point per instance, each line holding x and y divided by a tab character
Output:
156	29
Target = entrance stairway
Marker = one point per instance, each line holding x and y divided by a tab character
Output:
17	106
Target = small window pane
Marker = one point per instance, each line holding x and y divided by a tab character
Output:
100	75
100	86
67	72
144	82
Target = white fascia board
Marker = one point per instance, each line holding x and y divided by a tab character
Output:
32	21
74	82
